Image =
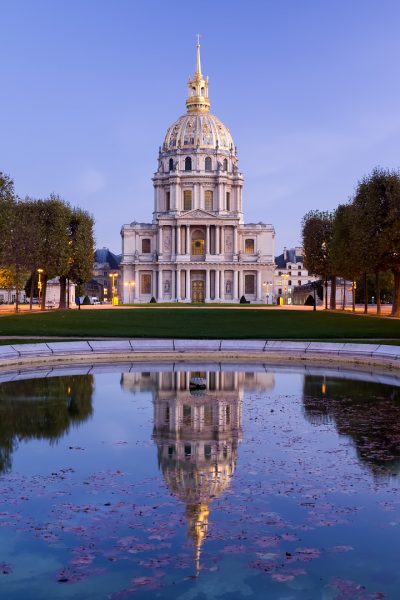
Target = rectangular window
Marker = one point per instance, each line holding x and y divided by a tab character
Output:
146	246
299	282
249	284
168	201
228	201
290	282
145	283
208	200
187	200
249	246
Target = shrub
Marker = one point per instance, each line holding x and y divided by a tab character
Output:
244	301
86	300
153	300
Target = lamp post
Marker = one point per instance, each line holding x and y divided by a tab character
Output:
113	278
130	285
285	278
39	285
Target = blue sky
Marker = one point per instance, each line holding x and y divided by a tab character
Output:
309	89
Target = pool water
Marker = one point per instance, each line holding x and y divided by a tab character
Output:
194	482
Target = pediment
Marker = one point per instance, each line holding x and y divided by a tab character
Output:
198	213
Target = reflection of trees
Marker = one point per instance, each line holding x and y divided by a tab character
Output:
367	412
41	409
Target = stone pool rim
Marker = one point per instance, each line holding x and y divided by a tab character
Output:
162	349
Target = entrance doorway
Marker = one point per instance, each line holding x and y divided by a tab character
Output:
197	291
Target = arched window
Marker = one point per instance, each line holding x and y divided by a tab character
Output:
198	242
249	286
146	246
193	91
207	163
171	164
225	164
202	92
167	201
187	200
228	201
188	163
208	200
249	246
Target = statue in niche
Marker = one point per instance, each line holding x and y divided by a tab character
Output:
167	285
228	287
228	243
136	255
259	255
176	165
167	243
239	255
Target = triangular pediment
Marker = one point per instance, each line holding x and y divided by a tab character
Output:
198	213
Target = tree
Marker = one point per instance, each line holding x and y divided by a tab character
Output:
317	229
7	202
344	251
80	251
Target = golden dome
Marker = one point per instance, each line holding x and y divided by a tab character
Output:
202	130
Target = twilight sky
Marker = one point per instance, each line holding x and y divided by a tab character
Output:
309	89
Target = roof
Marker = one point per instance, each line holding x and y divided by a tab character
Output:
104	255
291	257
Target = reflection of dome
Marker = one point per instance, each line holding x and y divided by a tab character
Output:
202	130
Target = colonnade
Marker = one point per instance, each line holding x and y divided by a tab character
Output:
185	248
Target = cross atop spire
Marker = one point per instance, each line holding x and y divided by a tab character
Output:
197	100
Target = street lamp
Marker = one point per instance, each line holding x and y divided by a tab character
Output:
285	278
266	286
130	284
39	285
113	278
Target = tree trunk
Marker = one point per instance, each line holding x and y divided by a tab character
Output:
365	294
326	294
344	294
333	293
16	289
378	292
44	288
354	296
396	293
32	288
63	289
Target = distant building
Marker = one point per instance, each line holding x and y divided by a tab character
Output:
53	292
290	273
105	263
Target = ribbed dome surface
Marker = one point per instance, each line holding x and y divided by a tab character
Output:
202	130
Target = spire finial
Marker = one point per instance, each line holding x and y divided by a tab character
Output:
198	61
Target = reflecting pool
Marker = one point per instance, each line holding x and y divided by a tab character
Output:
194	482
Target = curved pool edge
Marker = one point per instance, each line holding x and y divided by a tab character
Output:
145	350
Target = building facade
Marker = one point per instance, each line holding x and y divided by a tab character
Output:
290	273
106	270
197	248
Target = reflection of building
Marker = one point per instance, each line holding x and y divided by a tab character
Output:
198	248
197	432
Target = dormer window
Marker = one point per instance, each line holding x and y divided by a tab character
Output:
188	163
171	164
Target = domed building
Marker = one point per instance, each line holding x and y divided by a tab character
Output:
198	248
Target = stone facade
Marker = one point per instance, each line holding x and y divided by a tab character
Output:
197	248
289	274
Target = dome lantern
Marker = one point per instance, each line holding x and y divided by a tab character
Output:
197	101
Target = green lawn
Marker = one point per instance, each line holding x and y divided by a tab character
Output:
202	323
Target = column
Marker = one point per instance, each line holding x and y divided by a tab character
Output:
235	285
136	287
178	285
188	287
178	239
159	286
235	241
222	240
187	239
207	298
217	247
240	276
173	286
216	284
207	239
222	288
160	235
259	298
